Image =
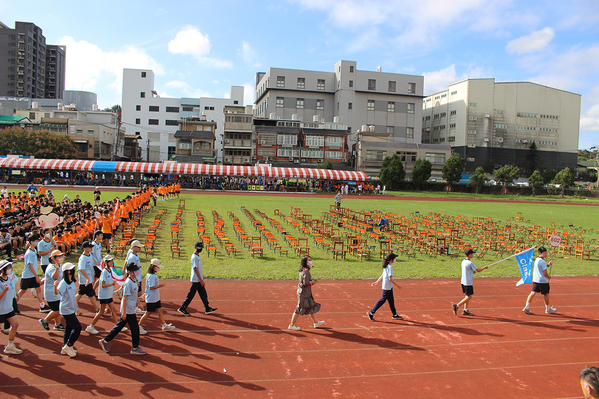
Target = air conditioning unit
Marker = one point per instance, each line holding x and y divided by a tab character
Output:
470	159
500	139
227	141
290	158
227	159
296	161
525	141
303	160
471	145
320	161
486	139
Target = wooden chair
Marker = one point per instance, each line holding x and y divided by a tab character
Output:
256	247
339	250
302	247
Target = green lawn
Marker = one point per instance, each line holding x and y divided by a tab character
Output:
275	266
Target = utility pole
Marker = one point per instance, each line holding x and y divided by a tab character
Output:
148	151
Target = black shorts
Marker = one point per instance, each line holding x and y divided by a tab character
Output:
30	282
5	317
105	301
106	236
468	289
44	267
54	305
154	306
542	288
87	290
97	272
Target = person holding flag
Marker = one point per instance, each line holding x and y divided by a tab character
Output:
468	270
540	282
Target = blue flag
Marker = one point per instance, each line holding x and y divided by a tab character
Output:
525	263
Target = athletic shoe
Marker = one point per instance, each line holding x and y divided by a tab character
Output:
11	349
551	311
183	312
211	310
125	329
370	316
138	351
139	311
467	313
396	317
293	327
59	327
68	350
142	331
168	327
527	311
106	311
454	308
45	309
91	329
44	324
5	331
104	345
320	323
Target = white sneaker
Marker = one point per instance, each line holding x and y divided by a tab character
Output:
293	327
68	350
91	329
320	323
139	311
142	331
125	329
168	327
551	311
106	311
11	349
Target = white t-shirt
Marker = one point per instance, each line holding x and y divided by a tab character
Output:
468	269
387	273
538	275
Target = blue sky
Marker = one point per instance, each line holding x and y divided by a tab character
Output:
201	48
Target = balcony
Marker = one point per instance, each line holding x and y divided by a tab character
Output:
237	143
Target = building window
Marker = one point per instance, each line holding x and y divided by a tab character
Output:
472	118
392	86
375	155
452	112
319	104
187	109
471	131
171	122
280	81
371	84
443	114
333	141
409	132
451	139
349	105
287	139
452	125
172	109
351	83
184	146
453	93
137	121
390	106
152	121
370	106
435	158
412	88
390	129
267	139
138	107
314	141
142	94
411	107
320	84
301	83
154	108
143	74
280	102
299	103
351	69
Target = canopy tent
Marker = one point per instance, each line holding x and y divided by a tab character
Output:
180	169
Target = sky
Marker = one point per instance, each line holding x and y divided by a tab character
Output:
202	48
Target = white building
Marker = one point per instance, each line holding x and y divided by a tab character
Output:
156	119
490	122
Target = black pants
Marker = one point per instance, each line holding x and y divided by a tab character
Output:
8	248
196	287
72	329
386	297
15	307
131	319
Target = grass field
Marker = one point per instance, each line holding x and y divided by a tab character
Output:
275	266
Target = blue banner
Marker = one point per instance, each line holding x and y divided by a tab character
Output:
525	263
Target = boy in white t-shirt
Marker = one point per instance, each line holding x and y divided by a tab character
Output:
468	270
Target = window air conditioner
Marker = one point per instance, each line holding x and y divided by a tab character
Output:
500	139
227	141
320	161
291	158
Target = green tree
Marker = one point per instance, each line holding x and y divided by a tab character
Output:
548	175
114	108
327	164
536	182
478	179
40	144
532	159
421	172
506	174
392	172
565	178
453	169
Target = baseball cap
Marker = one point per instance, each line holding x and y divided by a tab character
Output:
107	258
199	244
68	266
56	252
469	251
132	267
156	262
136	243
390	256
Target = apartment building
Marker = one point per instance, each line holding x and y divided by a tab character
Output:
156	119
238	145
494	123
196	140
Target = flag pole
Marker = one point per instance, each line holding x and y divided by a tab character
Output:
511	256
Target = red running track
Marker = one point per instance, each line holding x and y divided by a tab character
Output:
499	353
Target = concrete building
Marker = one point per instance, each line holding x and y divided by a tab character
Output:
156	119
238	144
390	102
28	66
493	123
196	140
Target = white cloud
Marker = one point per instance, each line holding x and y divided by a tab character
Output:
190	41
249	55
590	117
177	84
536	41
248	94
88	67
439	80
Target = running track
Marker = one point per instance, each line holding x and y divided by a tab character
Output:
499	353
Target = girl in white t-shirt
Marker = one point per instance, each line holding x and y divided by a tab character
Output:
105	293
388	283
153	298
